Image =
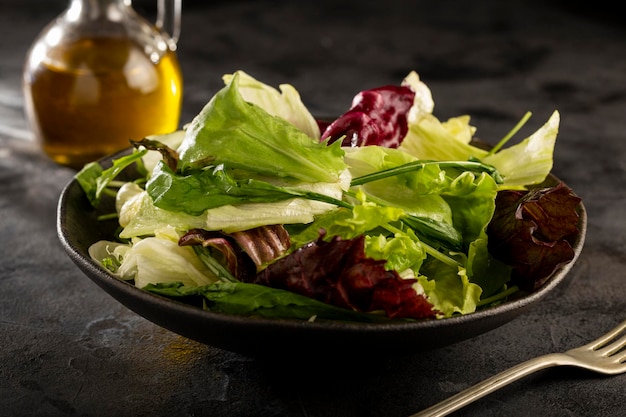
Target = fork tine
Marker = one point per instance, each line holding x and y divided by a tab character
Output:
604	340
612	348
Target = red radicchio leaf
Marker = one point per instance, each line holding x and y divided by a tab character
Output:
377	117
338	273
234	258
533	231
263	244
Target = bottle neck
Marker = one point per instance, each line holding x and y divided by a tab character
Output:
113	10
116	19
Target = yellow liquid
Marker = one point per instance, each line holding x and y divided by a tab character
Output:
89	98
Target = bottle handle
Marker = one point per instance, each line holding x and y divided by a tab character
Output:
169	18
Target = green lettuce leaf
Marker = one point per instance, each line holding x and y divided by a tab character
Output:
430	139
220	201
402	252
347	223
450	205
416	192
247	216
486	271
285	103
472	203
153	260
451	292
526	163
141	218
530	161
240	134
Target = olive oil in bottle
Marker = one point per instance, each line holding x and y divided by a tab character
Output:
88	95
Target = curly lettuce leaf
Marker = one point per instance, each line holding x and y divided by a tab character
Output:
488	272
457	205
451	292
348	223
402	252
415	192
472	203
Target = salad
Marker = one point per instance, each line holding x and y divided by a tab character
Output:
257	208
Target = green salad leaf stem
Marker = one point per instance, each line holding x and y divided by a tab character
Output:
512	133
213	265
501	296
473	166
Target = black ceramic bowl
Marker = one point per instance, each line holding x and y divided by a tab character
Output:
78	228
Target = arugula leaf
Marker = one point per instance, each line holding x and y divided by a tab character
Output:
94	180
211	188
436	233
258	300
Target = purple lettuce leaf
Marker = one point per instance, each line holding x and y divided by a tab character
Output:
377	117
337	272
533	231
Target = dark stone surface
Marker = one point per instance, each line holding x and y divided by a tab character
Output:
67	348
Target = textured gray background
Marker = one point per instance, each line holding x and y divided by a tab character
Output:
67	348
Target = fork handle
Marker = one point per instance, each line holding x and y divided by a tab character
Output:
492	384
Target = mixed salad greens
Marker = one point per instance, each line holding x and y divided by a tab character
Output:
386	213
